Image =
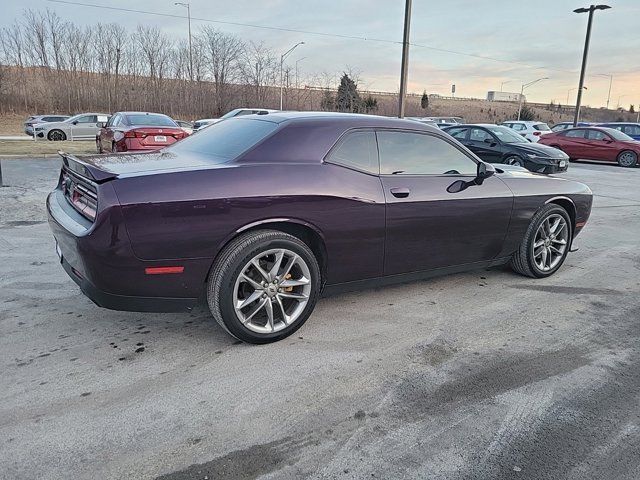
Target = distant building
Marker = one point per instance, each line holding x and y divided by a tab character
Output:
493	96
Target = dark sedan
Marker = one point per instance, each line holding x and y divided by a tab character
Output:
499	144
260	215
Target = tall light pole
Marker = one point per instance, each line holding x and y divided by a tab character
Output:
405	58
585	53
190	45
610	77
505	82
282	57
525	85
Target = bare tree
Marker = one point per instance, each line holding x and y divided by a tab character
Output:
259	71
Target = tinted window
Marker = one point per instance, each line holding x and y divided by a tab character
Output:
577	133
357	149
458	133
150	120
542	127
559	127
480	135
226	140
421	154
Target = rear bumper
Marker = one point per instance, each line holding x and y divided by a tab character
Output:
105	268
137	144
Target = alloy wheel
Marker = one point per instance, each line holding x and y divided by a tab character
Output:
272	290
514	161
627	159
550	242
56	136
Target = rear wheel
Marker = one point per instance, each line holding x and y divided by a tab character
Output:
627	158
263	286
56	136
545	245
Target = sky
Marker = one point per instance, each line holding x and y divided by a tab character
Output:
525	40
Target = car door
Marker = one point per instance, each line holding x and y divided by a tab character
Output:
600	146
574	143
484	145
106	134
427	226
84	127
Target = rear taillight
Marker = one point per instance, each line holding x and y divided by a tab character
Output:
82	195
134	134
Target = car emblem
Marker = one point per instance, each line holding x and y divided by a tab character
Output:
160	131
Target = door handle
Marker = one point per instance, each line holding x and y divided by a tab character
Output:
401	192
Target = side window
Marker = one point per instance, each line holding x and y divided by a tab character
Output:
518	126
458	133
421	154
87	119
631	130
480	135
243	112
577	133
113	121
357	150
597	135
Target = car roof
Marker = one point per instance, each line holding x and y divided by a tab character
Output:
526	122
141	113
619	123
353	119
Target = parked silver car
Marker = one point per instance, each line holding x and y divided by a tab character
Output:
34	119
79	127
199	124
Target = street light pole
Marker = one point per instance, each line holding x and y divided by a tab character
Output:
282	57
502	84
585	54
610	83
190	43
525	85
405	58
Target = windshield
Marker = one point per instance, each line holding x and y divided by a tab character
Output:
224	141
150	120
542	127
618	135
507	135
74	118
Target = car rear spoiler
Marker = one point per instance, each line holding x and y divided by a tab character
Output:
85	167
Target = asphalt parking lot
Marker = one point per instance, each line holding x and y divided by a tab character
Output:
483	375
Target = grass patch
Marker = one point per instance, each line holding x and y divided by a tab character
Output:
30	148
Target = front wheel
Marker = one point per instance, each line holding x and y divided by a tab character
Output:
514	160
56	136
627	159
546	243
263	286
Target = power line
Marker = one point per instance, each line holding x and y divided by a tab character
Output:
311	32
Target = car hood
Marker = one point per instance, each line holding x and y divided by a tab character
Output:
538	149
105	167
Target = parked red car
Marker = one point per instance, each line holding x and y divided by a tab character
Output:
595	143
135	131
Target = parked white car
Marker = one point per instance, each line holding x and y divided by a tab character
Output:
79	127
199	124
532	131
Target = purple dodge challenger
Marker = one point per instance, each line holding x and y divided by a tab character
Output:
260	215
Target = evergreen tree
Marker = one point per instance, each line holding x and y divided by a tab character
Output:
424	101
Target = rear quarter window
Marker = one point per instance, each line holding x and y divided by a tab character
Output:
358	150
224	141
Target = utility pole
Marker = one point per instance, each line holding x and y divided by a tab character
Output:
190	43
525	85
405	58
585	54
502	84
282	57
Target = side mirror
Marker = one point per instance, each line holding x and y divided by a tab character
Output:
490	142
485	170
75	122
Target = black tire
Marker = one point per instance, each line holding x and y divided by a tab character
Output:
514	160
229	265
522	260
627	159
56	136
